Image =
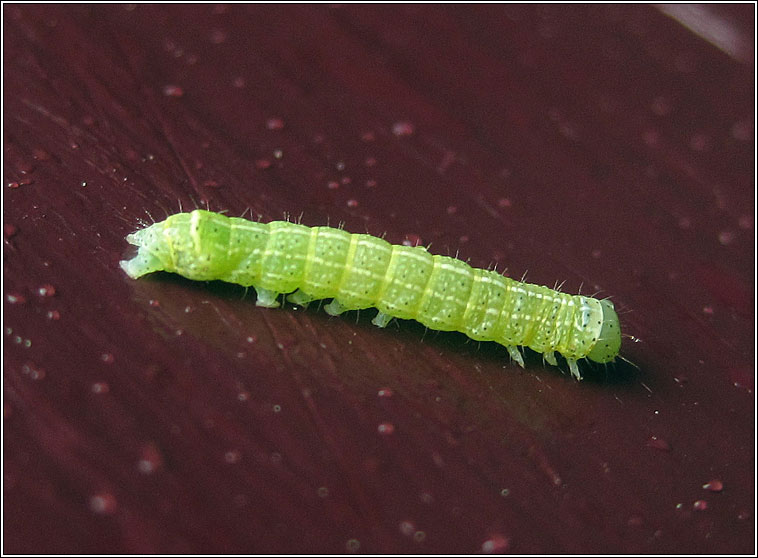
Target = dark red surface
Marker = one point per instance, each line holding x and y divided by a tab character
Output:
608	147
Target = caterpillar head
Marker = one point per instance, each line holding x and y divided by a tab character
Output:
608	343
154	254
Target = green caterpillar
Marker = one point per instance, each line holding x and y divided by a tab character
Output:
361	271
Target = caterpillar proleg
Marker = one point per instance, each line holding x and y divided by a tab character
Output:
361	271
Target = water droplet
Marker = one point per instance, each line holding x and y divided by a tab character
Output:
419	536
714	485
217	36
33	371
100	388
15	298
505	492
83	184
708	310
650	138
401	129
700	142
743	130
346	180
278	153
371	183
745	222
353	545
407	528
232	456
385	392
412	239
277	408
658	443
386	428
661	106
103	503
40	154
173	91
13	185
352	203
726	237
46	290
332	184
53	315
25	167
700	505
243	396
274	123
150	459
107	358
495	544
9	231
438	460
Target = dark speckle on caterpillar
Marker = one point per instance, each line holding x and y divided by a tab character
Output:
361	271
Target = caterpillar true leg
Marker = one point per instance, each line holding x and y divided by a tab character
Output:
574	368
549	356
516	355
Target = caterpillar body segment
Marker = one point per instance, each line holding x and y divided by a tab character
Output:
361	271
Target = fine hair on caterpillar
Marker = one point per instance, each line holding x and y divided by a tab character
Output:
361	271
